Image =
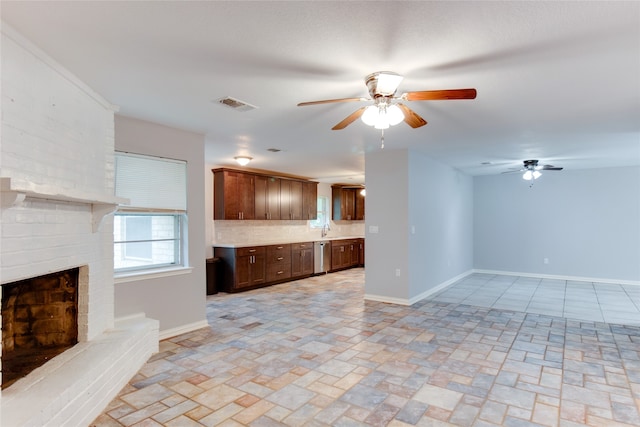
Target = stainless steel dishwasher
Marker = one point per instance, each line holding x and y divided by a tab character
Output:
321	257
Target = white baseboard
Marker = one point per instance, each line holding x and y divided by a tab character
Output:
170	333
559	277
425	294
440	287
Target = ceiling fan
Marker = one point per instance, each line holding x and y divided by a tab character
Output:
387	110
532	169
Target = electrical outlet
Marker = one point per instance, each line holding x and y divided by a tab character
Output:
397	272
546	260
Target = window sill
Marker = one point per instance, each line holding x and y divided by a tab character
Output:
132	276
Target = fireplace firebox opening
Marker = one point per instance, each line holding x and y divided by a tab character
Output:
39	321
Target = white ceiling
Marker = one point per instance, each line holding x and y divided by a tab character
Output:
556	81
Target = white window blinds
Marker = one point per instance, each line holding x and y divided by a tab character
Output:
151	182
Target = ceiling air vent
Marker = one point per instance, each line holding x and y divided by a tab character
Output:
236	104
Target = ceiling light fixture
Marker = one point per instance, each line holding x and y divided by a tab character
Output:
382	114
243	160
529	175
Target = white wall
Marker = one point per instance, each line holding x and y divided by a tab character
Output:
423	212
585	222
386	208
440	224
178	302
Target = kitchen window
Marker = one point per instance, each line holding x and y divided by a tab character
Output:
149	233
323	213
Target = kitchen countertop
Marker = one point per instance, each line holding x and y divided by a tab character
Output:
284	241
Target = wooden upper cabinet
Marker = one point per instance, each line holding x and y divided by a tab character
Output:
347	203
267	197
359	209
234	196
310	201
246	195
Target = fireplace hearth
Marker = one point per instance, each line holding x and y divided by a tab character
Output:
39	321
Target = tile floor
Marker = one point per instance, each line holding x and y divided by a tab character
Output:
487	351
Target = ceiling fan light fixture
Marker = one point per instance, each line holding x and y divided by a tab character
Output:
395	114
527	175
387	83
536	174
243	160
370	115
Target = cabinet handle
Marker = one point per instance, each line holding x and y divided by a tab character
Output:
279	247
280	258
252	250
280	272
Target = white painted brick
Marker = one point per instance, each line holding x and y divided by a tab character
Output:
58	133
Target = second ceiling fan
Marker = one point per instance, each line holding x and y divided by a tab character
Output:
387	110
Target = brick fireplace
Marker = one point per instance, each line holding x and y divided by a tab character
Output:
56	200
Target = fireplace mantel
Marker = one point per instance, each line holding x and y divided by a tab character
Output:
15	191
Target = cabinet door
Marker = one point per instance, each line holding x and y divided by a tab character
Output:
359	207
301	259
337	251
273	197
285	199
307	260
296	262
361	252
349	203
343	203
296	200
246	195
267	197
233	195
259	269
226	204
310	200
354	252
243	271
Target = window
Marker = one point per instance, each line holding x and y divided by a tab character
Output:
323	213
147	240
149	233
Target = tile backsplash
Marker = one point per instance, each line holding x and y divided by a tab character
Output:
259	231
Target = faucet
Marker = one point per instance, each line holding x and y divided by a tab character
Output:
325	230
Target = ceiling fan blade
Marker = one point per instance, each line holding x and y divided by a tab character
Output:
330	101
434	95
350	119
551	168
411	118
514	171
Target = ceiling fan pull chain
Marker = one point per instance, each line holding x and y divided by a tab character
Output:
382	138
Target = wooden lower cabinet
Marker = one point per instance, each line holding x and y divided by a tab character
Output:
252	267
345	254
242	268
301	259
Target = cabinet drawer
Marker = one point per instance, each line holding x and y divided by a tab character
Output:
305	245
278	271
278	253
255	250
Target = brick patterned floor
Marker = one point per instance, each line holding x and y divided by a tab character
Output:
314	353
